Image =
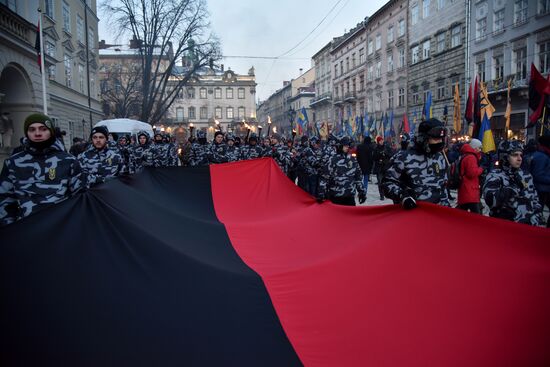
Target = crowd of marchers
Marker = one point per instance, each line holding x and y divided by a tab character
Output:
514	187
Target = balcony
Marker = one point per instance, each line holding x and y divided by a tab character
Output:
17	26
338	100
323	98
350	97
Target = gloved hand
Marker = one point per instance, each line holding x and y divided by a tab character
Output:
408	203
362	198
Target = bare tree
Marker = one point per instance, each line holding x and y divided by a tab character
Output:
121	90
166	32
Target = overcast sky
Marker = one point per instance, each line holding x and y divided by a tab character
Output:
271	28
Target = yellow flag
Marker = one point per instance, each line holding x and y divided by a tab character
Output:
508	113
457	116
485	105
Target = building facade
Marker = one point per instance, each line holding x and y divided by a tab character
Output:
321	104
506	37
215	98
437	44
71	65
386	69
348	56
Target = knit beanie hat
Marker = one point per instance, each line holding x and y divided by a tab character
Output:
475	143
100	130
379	139
39	118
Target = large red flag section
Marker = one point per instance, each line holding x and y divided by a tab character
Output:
234	265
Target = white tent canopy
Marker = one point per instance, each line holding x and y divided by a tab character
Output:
125	126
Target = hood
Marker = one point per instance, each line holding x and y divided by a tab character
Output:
466	148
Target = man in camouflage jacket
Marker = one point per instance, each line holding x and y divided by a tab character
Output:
143	153
233	153
42	174
420	172
199	151
218	149
100	161
252	150
509	191
280	153
341	178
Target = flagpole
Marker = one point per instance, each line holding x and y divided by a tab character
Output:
542	121
44	94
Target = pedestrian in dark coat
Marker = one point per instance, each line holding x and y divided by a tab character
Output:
364	158
540	170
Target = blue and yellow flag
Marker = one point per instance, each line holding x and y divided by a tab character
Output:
427	113
487	110
302	118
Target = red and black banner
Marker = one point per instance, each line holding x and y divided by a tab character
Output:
233	265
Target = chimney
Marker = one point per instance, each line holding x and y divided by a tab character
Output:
221	66
301	71
102	45
135	43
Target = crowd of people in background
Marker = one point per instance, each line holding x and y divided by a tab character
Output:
425	167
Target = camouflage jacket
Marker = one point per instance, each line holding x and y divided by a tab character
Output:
411	173
341	177
233	153
310	161
282	156
127	156
327	152
252	152
198	155
510	194
33	179
142	156
165	155
101	165
217	153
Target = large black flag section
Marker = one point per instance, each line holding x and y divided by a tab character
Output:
134	273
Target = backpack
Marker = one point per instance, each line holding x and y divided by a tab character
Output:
455	178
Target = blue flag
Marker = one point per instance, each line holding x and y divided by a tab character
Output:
427	113
365	125
302	118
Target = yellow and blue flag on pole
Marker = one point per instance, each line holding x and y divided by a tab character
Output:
487	110
302	118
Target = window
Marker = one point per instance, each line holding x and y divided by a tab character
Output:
481	28
480	70
179	114
241	113
369	104
191	93
353	61
426	92
520	63
204	112
426	50
361	56
335	71
425	8
390	34
49	8
440	4
455	36
191	112
218	93
401	97
66	17
80	29
229	93
240	93
229	113
390	63
390	98
353	86
50	49
347	64
342	67
544	57
370	72
370	47
414	15
498	21
543	7
520	12
81	78
378	101
218	112
378	42
498	67
415	54
378	69
202	94
401	57
441	90
91	39
401	27
441	42
68	69
415	95
51	72
361	82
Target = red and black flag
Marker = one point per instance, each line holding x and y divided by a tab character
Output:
469	111
206	267
37	46
476	108
539	91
